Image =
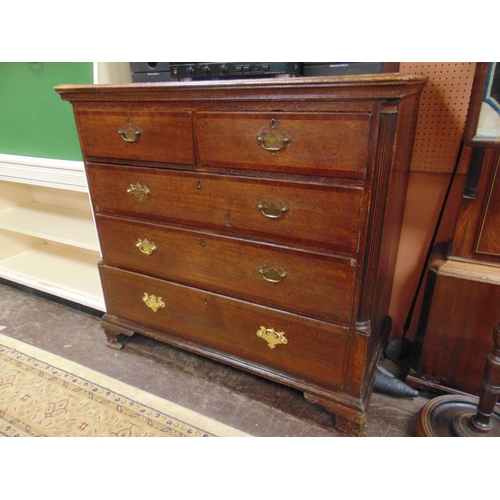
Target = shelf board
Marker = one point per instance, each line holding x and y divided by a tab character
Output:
54	223
60	271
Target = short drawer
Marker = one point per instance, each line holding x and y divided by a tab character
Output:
312	214
334	144
135	134
302	348
306	283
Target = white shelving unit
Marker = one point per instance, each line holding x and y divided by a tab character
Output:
48	242
48	239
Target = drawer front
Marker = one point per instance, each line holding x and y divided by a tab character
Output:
132	134
313	349
304	143
325	216
302	282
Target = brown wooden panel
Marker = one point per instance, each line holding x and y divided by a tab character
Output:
166	136
315	285
481	184
326	216
315	350
489	235
320	143
462	307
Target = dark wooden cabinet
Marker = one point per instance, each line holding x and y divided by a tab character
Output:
255	222
462	297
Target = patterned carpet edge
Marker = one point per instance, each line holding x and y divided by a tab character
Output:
42	394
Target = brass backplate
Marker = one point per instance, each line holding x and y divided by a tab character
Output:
272	337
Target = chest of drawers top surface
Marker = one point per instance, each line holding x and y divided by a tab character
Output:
379	86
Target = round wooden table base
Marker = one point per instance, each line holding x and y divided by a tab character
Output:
453	416
466	416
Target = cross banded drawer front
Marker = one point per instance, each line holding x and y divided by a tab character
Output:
333	144
204	317
328	216
303	282
132	134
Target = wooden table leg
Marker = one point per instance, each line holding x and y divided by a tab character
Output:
466	416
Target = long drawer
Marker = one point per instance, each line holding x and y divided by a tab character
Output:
307	283
288	343
334	144
133	133
313	214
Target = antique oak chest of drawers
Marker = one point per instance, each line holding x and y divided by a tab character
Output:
255	222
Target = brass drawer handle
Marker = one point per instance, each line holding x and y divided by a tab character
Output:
130	133
272	337
272	275
272	211
140	192
146	247
153	302
273	143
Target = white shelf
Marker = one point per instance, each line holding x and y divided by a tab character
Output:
53	173
60	271
48	240
51	222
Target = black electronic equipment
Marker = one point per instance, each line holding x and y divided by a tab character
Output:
150	72
347	68
221	70
182	71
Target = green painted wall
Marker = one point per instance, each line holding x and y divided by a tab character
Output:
34	121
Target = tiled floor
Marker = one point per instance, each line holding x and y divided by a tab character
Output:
252	404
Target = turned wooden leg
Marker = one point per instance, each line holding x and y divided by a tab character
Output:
490	389
451	416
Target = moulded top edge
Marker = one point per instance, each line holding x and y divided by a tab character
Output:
156	89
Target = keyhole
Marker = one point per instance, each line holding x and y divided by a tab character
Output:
273	122
198	185
202	242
